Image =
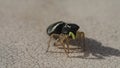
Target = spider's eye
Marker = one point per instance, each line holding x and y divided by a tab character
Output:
65	30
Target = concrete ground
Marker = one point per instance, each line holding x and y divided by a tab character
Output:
23	38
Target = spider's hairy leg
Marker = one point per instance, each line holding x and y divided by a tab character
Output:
82	39
63	39
68	48
67	43
63	44
51	36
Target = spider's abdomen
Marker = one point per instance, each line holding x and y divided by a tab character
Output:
55	28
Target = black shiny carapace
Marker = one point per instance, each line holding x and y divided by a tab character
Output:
62	27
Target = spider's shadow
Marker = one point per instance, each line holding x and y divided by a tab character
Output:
97	50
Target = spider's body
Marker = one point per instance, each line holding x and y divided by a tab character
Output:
62	28
64	32
55	28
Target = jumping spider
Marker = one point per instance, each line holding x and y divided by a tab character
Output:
64	32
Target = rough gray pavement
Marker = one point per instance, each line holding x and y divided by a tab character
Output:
23	38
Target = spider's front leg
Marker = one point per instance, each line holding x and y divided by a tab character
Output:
63	44
51	36
67	39
82	40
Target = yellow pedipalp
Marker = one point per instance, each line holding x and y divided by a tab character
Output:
72	35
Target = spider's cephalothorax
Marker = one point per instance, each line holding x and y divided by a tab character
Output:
70	29
63	32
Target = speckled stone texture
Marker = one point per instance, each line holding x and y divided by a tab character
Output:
23	38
